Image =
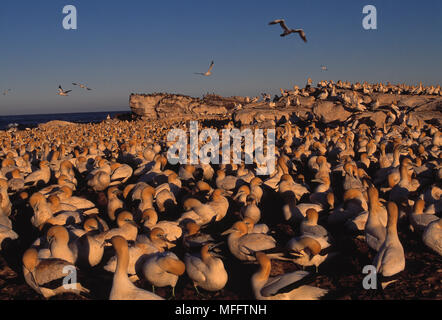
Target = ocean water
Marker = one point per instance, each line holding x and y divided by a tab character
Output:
31	120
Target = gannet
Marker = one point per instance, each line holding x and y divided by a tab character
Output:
46	276
62	92
288	31
209	72
205	270
163	269
122	287
81	86
289	286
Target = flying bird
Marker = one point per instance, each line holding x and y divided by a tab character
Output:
81	86
324	68
62	92
6	92
209	72
288	31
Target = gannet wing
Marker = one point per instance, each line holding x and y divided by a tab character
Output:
301	34
281	23
196	267
286	283
211	66
254	242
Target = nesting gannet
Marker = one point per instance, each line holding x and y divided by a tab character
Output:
122	287
46	276
308	251
288	31
206	270
432	236
375	231
193	238
163	269
171	229
244	245
420	220
62	92
251	210
209	72
289	286
390	258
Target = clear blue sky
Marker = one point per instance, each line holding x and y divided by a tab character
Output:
145	46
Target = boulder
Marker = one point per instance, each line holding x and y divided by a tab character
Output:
327	111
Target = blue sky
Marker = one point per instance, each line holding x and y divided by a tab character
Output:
148	46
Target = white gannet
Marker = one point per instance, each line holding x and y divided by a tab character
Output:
205	270
244	245
62	92
432	236
46	276
81	86
390	258
289	286
209	72
288	31
162	269
122	287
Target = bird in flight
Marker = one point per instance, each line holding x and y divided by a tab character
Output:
62	92
81	86
209	72
324	68
6	92
288	31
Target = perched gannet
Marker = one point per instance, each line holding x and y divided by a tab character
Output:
219	204
244	245
432	236
289	286
193	238
127	228
375	231
197	212
209	72
163	269
205	270
308	250
42	175
171	229
122	287
255	228
46	276
288	31
420	220
390	258
309	227
251	210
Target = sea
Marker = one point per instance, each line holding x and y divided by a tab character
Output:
32	120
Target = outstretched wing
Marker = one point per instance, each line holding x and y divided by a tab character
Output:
60	89
211	66
286	283
67	91
74	83
281	23
302	34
